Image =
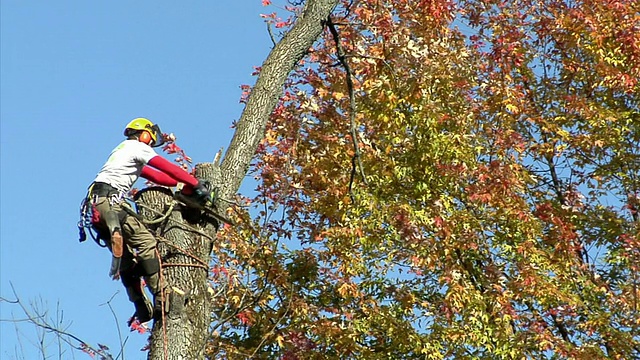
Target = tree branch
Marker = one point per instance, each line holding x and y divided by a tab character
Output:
40	321
356	160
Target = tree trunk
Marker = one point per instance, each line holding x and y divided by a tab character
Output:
184	245
184	239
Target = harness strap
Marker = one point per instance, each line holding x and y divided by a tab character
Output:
89	215
102	190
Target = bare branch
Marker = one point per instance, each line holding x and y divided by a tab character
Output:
115	319
38	319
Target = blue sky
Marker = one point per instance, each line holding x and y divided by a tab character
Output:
73	73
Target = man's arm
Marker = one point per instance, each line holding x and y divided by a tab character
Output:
171	170
191	184
158	177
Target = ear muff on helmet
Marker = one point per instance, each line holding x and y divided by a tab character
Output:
145	137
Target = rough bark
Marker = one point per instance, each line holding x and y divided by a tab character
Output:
185	241
184	245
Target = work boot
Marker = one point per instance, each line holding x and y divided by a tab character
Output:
144	310
154	286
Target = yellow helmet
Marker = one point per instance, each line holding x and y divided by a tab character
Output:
151	134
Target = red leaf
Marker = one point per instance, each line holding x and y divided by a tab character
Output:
244	317
171	148
137	326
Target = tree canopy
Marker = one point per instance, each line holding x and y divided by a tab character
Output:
445	180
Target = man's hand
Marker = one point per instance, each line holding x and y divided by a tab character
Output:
203	192
200	193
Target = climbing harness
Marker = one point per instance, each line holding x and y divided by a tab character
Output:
88	216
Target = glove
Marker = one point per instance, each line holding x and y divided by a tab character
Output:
201	192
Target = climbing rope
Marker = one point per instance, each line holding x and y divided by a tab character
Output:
201	263
165	339
166	216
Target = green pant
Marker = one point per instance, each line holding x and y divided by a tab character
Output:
139	246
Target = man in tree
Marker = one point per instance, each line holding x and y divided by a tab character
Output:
132	245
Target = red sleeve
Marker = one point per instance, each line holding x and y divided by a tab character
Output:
158	177
173	170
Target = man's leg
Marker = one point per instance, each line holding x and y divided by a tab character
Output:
139	238
130	277
129	271
110	231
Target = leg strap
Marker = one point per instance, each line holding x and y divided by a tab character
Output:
131	281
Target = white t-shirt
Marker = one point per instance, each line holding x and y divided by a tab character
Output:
125	164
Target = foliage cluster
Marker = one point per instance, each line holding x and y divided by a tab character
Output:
446	180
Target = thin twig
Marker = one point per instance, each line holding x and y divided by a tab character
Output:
115	318
273	39
275	326
41	322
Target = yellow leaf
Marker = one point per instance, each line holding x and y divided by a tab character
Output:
346	290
